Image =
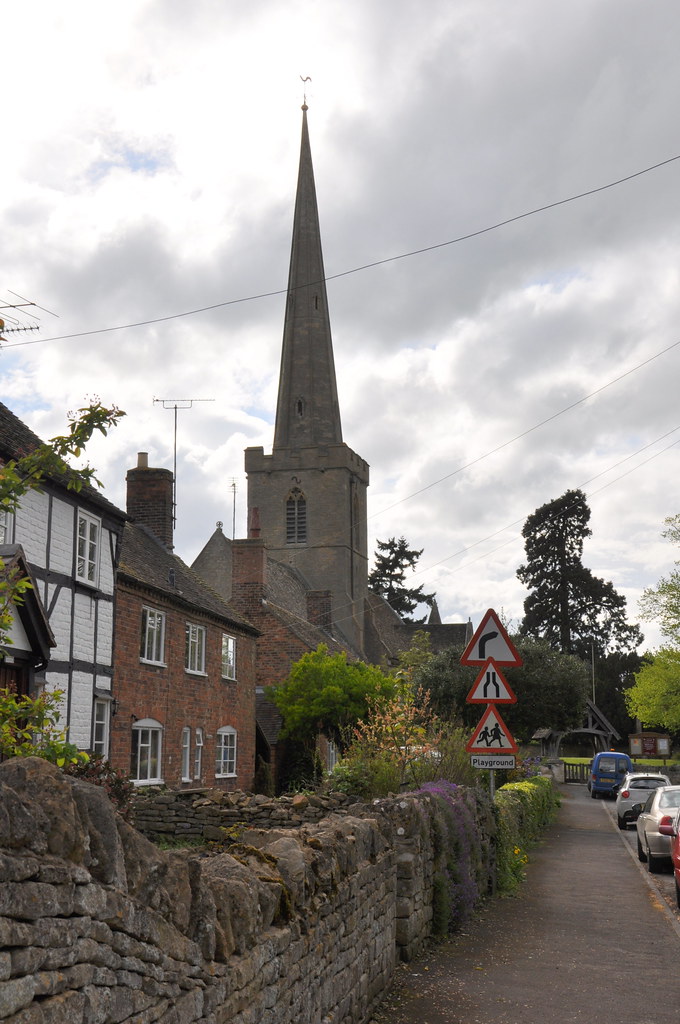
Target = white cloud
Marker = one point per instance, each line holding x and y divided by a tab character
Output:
151	157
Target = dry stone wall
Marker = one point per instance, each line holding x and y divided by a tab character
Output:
303	924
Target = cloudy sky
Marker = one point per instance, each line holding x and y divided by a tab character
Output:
496	342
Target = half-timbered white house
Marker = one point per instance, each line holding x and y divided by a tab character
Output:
63	634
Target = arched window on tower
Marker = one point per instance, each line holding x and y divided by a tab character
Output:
296	517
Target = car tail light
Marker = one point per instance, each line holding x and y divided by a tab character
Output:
625	794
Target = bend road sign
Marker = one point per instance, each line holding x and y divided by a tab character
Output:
491	641
491	735
491	687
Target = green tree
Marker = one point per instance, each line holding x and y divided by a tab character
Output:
419	654
551	689
568	606
662	602
388	576
655	696
614	675
324	693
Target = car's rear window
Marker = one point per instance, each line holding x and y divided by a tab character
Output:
670	799
647	783
606	764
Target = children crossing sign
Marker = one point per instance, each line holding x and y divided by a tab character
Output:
491	735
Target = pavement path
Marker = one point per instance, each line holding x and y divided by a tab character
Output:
589	938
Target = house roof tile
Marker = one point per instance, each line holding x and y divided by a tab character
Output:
145	561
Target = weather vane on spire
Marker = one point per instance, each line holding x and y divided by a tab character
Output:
304	94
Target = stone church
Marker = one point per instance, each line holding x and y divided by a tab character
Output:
301	575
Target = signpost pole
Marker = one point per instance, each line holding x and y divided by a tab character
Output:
492	783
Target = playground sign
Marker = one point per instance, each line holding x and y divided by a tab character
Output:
491	745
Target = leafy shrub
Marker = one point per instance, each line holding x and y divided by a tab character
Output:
365	777
117	783
523	809
29	727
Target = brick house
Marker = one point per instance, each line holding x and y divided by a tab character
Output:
67	542
184	658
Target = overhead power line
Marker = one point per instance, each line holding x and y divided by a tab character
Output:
529	430
359	269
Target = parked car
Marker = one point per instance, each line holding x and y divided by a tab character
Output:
635	789
661	807
607	772
673	832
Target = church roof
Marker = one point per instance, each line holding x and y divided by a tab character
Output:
307	411
387	635
214	563
287	588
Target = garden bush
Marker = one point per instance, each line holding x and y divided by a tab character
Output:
523	810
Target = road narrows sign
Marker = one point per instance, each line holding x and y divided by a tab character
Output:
491	641
491	687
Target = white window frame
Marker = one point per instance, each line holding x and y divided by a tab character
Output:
152	646
194	649
5	526
228	656
225	756
101	726
88	548
149	748
198	753
333	755
186	754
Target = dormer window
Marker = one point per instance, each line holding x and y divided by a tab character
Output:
296	517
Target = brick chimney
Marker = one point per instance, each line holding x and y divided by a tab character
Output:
149	499
249	576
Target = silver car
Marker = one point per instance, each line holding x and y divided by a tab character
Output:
635	789
652	846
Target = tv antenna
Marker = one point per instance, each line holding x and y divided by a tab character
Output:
13	322
175	404
233	507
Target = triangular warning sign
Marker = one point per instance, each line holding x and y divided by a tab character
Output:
491	641
491	687
491	734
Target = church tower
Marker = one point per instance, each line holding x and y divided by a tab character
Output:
309	496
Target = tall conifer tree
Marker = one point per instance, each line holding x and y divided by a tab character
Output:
576	612
388	575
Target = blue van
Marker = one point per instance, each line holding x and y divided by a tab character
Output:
607	771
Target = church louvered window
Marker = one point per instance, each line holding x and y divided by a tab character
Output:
296	517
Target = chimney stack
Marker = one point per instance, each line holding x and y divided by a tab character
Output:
150	499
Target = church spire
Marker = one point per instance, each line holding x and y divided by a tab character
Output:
307	411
